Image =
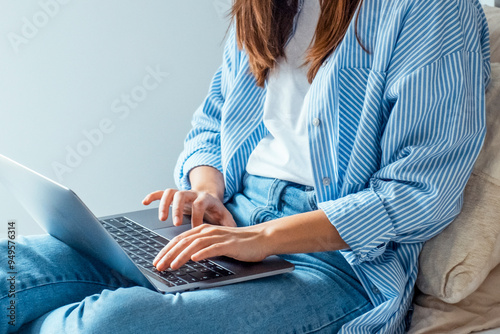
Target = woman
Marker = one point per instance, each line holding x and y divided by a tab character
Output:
341	133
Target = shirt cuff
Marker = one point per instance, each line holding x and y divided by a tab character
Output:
199	158
362	222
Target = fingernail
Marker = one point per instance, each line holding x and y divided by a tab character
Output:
176	220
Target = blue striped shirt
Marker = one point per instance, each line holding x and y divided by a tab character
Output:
393	136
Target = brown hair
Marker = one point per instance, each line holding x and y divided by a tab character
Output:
263	27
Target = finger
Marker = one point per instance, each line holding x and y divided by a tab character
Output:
162	260
220	217
206	233
198	209
228	220
166	199
173	242
195	246
154	196
172	254
216	249
162	253
180	198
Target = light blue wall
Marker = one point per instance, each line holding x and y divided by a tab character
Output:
69	67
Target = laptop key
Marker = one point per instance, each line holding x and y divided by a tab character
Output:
223	272
149	249
199	276
168	283
213	274
180	272
168	276
149	266
115	223
149	257
179	282
158	238
141	261
190	279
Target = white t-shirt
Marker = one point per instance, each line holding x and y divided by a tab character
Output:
284	152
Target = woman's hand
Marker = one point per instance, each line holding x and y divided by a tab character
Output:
205	241
199	204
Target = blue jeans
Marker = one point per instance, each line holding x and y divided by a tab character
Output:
60	290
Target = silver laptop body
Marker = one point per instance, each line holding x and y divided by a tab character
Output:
64	216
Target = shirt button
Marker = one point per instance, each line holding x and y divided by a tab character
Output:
375	290
324	63
316	122
326	181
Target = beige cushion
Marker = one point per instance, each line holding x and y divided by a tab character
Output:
493	17
477	312
456	262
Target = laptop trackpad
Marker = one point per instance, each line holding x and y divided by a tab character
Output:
170	232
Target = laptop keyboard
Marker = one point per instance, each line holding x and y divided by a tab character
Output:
142	245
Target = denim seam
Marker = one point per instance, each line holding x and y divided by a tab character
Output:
73	281
275	196
271	203
312	201
271	194
258	212
336	320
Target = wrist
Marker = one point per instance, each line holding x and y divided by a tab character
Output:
209	190
266	233
207	179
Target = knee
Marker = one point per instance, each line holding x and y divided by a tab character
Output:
125	310
34	251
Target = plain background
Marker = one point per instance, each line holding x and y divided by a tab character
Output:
67	65
76	67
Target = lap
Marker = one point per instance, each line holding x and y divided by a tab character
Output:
64	291
312	299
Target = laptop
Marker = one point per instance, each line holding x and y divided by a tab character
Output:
126	242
